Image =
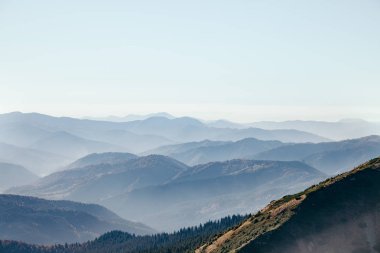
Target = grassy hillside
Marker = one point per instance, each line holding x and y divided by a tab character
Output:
340	214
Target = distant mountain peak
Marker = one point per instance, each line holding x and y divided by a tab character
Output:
181	120
158	159
353	120
132	117
374	138
161	114
102	158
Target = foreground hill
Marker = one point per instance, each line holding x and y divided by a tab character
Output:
167	194
211	151
329	157
339	215
14	175
42	221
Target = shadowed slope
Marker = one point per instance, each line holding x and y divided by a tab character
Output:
338	215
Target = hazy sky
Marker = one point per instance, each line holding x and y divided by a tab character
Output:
239	59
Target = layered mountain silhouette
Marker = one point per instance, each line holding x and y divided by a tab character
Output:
329	157
339	130
43	132
190	129
338	215
42	221
209	151
189	172
334	130
208	192
103	179
67	139
175	129
179	195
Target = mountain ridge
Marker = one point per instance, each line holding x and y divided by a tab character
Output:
41	221
293	223
194	153
282	225
329	157
176	191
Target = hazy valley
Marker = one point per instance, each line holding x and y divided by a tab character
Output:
190	126
154	175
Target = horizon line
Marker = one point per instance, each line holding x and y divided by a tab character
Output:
169	115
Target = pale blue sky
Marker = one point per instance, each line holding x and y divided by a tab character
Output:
239	59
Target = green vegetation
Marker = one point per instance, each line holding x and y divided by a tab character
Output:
184	240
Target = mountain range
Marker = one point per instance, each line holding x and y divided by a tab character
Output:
338	130
334	130
179	194
340	215
194	153
43	133
187	172
214	190
329	157
42	221
132	186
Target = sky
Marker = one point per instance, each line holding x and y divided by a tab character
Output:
243	60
